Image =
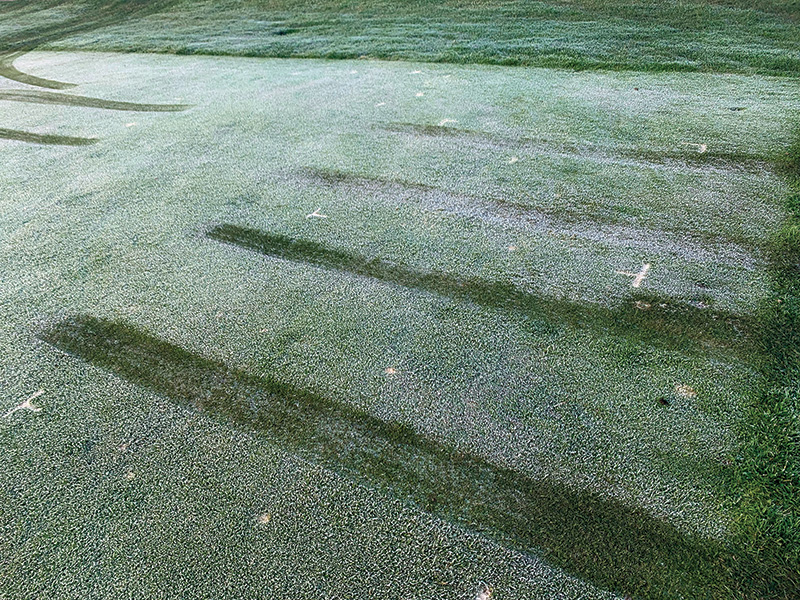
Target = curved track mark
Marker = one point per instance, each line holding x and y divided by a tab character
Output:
37	97
44	138
9	71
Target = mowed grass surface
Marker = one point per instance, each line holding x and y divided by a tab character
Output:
251	290
742	36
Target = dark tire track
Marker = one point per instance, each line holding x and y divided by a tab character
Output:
676	326
45	138
593	536
38	97
659	160
9	71
95	16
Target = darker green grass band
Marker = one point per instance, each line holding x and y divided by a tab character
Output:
41	138
39	97
666	323
9	71
685	158
598	538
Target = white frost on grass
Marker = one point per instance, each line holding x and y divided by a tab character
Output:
484	592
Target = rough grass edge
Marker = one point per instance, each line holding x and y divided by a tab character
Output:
560	60
768	465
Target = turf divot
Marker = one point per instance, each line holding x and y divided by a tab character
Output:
38	97
674	325
597	538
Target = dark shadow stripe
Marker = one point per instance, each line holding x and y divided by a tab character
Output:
37	97
596	538
496	210
666	323
9	71
43	138
688	159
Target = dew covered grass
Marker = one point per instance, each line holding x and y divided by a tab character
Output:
370	327
647	35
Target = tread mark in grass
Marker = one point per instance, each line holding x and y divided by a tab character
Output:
598	538
112	12
38	97
45	138
699	160
520	215
674	325
9	71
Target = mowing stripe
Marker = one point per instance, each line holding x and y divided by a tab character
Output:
667	323
9	71
688	160
43	138
599	539
511	214
111	12
38	97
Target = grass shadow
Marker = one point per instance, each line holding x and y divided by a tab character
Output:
38	97
597	538
9	71
689	158
45	138
665	323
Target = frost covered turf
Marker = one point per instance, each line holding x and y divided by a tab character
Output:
361	329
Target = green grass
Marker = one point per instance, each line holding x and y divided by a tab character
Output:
698	35
521	359
769	463
447	381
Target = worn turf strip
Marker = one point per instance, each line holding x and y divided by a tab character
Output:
599	539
